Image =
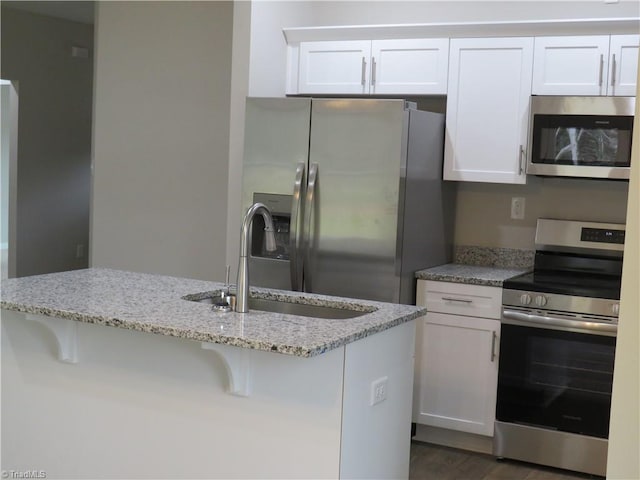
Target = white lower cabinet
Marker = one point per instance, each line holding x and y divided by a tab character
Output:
456	372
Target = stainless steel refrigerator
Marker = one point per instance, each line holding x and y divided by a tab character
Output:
356	190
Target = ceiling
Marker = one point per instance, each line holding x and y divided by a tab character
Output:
77	11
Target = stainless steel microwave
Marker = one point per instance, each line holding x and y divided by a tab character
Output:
581	136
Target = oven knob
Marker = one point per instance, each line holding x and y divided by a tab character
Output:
615	308
525	299
541	300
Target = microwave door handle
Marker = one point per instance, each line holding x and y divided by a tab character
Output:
307	232
295	262
520	159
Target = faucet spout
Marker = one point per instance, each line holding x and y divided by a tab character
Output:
242	295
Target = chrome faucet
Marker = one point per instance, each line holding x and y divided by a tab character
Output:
242	294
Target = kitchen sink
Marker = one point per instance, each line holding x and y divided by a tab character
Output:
280	306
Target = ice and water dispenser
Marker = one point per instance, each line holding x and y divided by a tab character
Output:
280	207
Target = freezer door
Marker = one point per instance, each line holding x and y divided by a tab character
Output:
276	151
359	146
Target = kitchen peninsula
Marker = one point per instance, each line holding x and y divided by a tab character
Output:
178	390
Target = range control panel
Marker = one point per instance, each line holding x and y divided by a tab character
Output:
602	235
579	237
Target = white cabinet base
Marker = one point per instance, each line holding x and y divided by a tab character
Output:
140	405
454	439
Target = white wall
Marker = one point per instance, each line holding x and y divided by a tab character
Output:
623	462
161	137
54	138
239	92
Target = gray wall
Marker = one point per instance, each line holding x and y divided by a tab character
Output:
54	138
161	137
483	215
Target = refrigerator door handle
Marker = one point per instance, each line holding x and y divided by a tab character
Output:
308	218
295	262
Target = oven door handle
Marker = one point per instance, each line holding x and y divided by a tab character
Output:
555	322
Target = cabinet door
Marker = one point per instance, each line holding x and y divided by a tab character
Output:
456	373
571	65
334	67
623	71
410	66
488	96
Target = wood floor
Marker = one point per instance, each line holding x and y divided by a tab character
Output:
433	462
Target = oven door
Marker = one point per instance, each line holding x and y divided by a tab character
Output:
555	378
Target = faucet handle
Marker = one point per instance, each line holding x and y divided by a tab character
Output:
227	286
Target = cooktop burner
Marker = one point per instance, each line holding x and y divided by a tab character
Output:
595	286
580	259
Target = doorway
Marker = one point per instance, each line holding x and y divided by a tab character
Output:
50	61
8	164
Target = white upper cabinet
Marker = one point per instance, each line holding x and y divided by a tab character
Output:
585	65
570	65
488	101
334	67
372	67
410	66
623	76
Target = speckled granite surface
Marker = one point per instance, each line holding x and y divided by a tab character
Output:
154	304
471	274
494	257
481	266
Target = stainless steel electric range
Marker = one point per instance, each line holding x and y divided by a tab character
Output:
557	348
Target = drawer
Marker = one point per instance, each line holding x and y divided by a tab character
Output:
460	299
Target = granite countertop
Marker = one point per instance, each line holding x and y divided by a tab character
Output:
476	265
470	274
155	304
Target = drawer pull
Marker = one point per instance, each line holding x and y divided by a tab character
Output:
461	300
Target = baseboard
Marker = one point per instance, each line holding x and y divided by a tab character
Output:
451	438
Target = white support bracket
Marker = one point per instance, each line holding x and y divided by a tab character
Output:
237	362
66	333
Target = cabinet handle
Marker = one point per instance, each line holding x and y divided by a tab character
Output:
373	70
521	156
461	300
601	69
613	69
364	71
494	337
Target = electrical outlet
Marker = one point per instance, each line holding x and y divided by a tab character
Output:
378	391
517	208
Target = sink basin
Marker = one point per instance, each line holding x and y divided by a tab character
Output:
302	309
